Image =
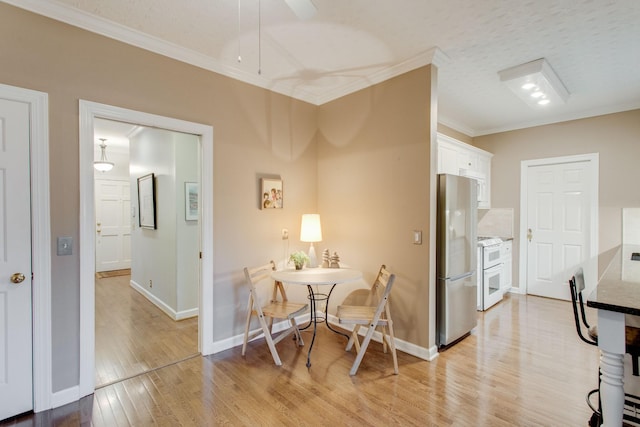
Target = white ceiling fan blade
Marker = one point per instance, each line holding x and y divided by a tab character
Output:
304	9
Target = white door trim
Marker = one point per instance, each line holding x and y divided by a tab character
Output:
88	112
40	239
591	270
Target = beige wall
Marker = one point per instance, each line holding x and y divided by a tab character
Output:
373	160
615	137
255	132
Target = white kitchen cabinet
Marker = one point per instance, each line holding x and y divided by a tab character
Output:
457	158
507	263
484	191
467	159
448	160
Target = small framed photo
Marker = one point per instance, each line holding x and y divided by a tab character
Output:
191	201
147	201
271	194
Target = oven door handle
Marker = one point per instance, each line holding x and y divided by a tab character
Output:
461	276
492	269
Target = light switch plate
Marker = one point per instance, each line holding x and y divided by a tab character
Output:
65	246
417	237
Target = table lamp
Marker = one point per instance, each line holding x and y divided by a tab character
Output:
311	231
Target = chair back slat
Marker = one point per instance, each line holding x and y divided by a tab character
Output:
382	287
579	279
254	277
257	274
576	286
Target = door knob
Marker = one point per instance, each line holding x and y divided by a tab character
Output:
17	277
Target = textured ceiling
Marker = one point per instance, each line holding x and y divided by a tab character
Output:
593	45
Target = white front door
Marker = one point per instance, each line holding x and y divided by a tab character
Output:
113	225
16	395
558	225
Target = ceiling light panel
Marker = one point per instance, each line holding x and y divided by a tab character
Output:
535	83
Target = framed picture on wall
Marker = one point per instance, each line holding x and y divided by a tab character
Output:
271	194
147	201
191	201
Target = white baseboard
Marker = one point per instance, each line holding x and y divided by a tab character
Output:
186	314
237	340
405	346
423	353
516	290
433	353
63	397
175	315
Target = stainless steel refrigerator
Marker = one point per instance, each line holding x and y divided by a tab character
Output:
456	258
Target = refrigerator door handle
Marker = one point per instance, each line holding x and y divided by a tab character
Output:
461	276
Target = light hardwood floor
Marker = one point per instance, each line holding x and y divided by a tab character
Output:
133	335
522	366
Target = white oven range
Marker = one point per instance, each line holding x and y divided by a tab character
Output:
490	271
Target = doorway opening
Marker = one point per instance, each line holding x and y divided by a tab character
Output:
145	316
89	113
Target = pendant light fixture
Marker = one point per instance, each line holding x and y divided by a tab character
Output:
103	165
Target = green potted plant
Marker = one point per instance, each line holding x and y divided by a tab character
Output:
299	258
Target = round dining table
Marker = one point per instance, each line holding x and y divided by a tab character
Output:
311	277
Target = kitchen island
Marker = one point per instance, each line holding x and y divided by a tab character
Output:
617	296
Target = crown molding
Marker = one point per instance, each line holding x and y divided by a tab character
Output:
585	114
456	125
432	56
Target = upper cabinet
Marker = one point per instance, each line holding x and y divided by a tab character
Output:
457	158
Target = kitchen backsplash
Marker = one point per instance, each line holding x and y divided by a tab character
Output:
497	222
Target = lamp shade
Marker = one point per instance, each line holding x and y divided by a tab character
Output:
310	229
103	166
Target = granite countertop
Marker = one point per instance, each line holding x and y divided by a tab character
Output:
619	287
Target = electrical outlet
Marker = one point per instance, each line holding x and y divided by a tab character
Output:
285	234
151	283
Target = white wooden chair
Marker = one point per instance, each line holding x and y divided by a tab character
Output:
259	278
376	314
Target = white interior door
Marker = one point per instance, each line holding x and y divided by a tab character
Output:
113	225
558	225
16	381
